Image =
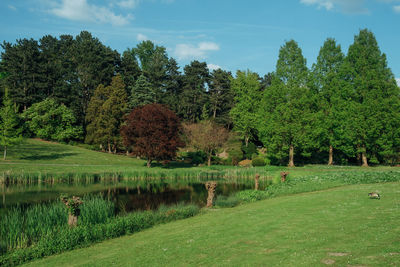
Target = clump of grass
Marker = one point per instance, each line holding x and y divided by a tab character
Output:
22	227
85	234
227	201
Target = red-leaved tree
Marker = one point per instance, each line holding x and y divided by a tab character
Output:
153	132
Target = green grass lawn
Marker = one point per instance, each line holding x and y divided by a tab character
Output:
36	156
338	227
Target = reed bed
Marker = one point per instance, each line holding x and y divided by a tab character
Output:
21	227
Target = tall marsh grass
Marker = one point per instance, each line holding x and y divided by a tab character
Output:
22	227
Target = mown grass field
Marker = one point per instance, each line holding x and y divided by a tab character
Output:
337	227
35	156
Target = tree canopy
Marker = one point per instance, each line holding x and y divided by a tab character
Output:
153	132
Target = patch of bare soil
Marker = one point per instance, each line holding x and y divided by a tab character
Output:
328	261
338	254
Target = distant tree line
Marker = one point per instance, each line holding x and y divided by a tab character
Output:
345	109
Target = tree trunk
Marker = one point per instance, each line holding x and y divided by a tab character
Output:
215	112
364	157
246	140
109	148
209	160
5	152
148	163
330	162
291	156
72	220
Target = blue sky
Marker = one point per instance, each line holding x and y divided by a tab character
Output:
232	34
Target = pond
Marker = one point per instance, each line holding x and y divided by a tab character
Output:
127	195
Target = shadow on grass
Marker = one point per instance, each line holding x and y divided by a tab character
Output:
51	156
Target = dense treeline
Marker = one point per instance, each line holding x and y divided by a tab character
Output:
345	109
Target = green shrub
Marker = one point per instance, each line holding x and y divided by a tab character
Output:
249	150
258	162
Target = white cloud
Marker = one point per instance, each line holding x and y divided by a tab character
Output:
396	9
80	10
141	37
128	3
12	7
188	51
345	6
213	67
398	81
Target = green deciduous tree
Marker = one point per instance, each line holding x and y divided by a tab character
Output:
247	96
375	100
105	114
52	121
10	129
285	110
330	115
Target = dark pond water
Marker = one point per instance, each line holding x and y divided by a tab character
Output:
127	196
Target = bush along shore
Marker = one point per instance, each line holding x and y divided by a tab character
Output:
42	230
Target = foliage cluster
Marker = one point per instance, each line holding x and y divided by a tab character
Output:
344	110
51	121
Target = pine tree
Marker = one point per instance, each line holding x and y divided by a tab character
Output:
9	124
194	95
221	96
173	86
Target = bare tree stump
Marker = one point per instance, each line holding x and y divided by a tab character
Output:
210	186
283	176
257	182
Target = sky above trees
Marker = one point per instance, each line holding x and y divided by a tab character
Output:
228	34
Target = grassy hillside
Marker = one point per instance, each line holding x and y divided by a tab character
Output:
339	227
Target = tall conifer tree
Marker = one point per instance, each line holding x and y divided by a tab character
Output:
375	99
285	110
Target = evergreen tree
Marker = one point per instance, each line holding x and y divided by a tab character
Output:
194	95
21	61
105	114
284	113
142	93
173	86
246	88
221	96
375	100
129	69
10	129
95	64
